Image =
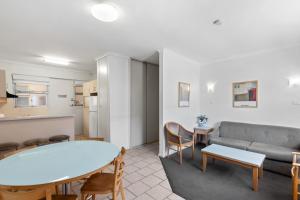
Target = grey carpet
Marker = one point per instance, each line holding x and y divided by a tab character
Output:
222	181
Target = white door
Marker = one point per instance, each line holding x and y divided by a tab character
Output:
138	104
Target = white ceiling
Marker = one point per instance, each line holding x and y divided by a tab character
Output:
30	29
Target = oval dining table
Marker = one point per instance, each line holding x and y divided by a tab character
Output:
55	164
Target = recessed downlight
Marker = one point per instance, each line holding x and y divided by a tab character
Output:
55	60
105	12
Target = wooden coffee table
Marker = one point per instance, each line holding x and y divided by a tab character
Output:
239	157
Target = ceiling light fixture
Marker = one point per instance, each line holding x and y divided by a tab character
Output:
105	12
217	22
58	61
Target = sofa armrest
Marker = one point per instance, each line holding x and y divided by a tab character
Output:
215	133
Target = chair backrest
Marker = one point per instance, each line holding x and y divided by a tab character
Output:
27	195
119	168
173	127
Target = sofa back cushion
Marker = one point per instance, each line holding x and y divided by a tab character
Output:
275	135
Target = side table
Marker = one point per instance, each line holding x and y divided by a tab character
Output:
202	132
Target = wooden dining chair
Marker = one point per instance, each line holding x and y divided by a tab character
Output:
106	183
295	175
36	194
179	137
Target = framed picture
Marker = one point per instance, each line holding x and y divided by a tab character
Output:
184	94
245	94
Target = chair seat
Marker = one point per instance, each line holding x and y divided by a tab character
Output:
36	142
59	138
99	183
186	140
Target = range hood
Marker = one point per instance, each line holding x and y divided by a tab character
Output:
11	96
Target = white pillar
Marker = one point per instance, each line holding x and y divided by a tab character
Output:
113	75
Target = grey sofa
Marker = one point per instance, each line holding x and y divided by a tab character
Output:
276	142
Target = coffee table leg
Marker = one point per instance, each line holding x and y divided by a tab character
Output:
261	172
204	161
255	178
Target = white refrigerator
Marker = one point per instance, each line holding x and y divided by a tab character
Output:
93	116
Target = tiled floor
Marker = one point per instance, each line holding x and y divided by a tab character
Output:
144	178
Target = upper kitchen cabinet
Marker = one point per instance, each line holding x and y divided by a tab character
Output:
2	87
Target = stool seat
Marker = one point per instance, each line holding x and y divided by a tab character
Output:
9	146
59	138
36	142
64	197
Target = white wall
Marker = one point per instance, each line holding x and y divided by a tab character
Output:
275	98
114	98
176	68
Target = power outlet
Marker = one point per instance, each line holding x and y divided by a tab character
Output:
296	102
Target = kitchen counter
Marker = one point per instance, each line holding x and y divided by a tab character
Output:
33	117
20	129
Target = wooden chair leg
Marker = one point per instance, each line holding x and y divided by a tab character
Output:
93	197
168	149
193	151
295	173
180	154
122	191
115	195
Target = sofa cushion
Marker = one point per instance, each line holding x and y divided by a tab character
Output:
273	152
274	135
240	144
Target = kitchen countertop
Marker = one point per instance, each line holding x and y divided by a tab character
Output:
33	117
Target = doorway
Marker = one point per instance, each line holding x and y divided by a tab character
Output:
144	108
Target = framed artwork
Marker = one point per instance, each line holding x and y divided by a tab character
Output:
184	94
244	94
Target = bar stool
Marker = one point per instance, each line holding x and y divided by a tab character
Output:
59	138
36	142
7	147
